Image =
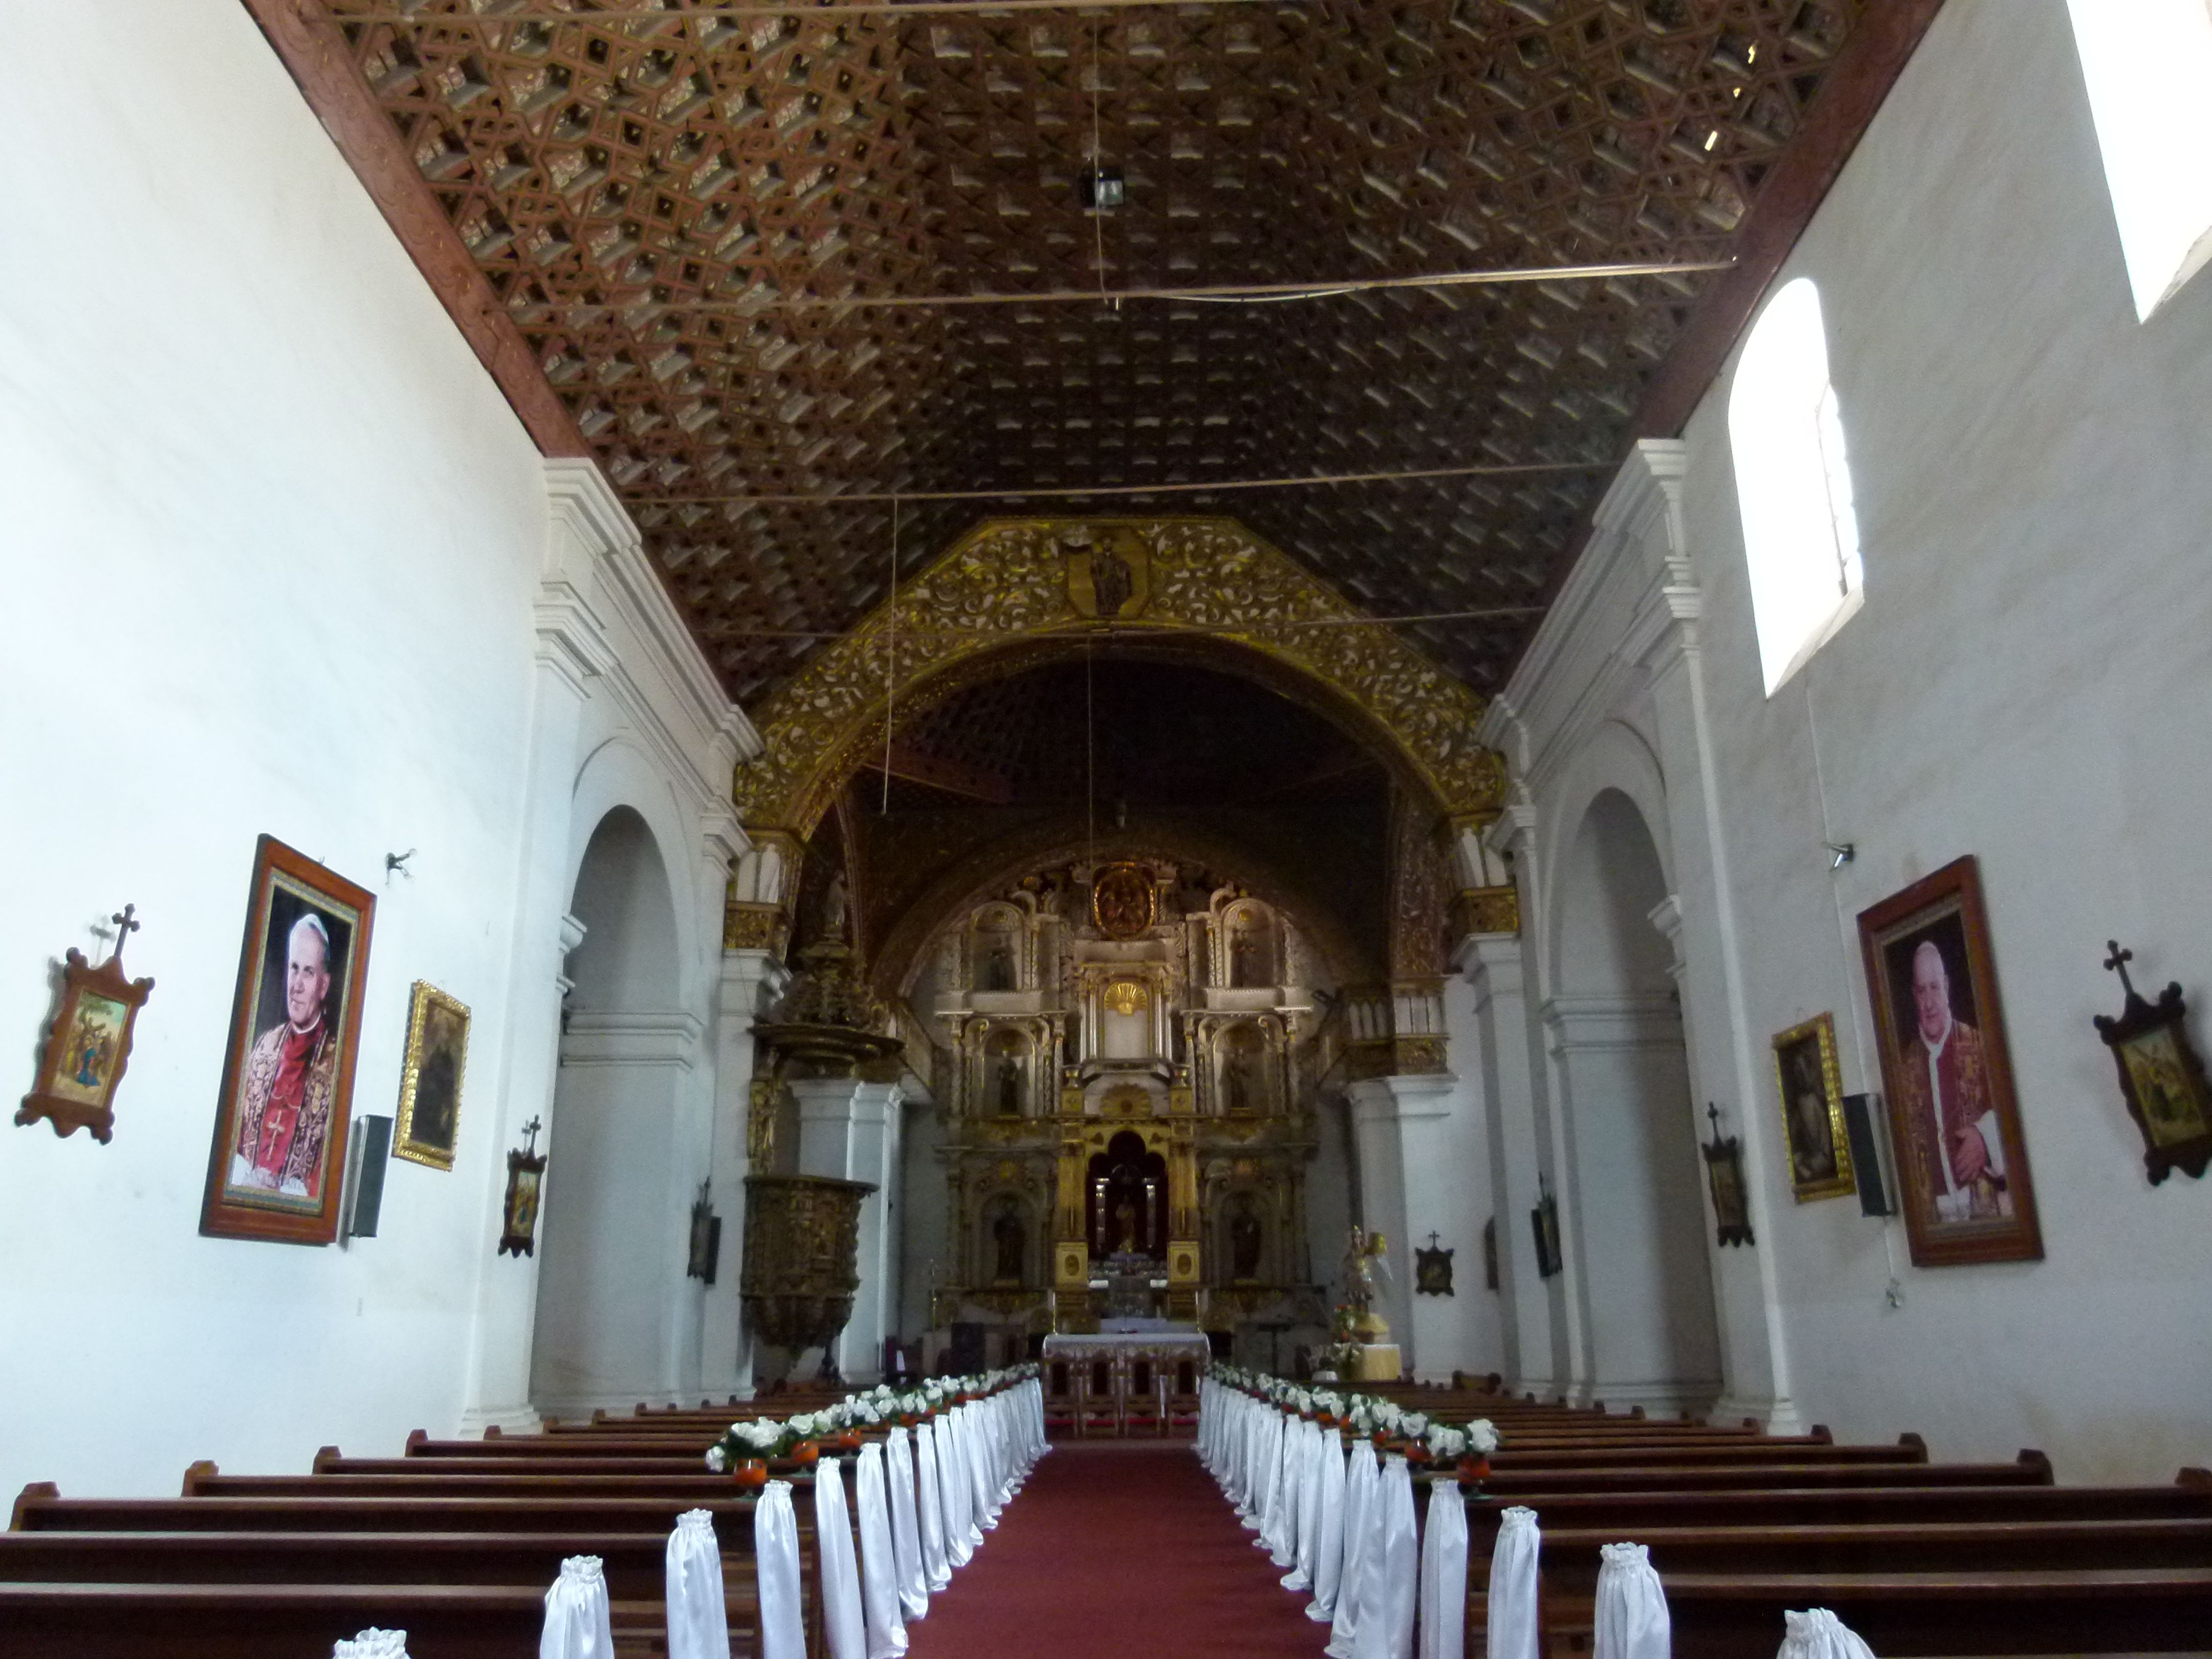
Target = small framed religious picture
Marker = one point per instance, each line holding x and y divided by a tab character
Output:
89	1042
1964	1184
430	1118
525	1182
2161	1079
1544	1224
1812	1090
1725	1182
274	1170
706	1237
1432	1270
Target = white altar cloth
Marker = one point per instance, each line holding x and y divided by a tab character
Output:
1162	1341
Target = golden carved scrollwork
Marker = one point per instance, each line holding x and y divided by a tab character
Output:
1486	910
1008	581
753	926
766	1094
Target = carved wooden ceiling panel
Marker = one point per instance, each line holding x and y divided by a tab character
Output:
648	199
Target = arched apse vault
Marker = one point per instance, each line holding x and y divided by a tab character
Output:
1012	592
983	872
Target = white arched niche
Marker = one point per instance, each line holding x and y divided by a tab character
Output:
612	1316
1642	1275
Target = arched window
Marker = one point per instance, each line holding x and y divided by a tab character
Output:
2146	65
1801	539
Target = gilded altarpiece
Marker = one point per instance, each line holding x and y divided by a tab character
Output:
1128	1123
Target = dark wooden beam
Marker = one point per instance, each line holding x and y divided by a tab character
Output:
314	50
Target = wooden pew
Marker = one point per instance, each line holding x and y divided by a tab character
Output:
267	1621
1631	1515
1903	1615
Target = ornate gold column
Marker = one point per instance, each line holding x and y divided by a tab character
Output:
1071	1252
1184	1256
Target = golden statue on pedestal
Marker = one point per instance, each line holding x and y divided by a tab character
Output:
1374	1357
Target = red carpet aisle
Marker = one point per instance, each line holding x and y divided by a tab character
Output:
1114	1550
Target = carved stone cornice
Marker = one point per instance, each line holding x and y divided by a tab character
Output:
1011	582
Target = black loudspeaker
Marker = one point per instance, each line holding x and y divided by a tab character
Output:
1863	1125
370	1153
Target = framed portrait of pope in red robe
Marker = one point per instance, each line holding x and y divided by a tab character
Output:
280	1134
1963	1178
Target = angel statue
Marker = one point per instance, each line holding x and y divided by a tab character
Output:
1366	1268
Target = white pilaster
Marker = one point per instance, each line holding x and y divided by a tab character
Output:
850	1129
1510	1080
1644	506
1391	1117
751	981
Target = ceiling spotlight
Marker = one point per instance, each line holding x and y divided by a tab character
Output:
1841	853
1101	189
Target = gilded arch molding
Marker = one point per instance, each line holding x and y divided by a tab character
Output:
1034	582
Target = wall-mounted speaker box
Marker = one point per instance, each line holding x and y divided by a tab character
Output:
366	1161
1865	1125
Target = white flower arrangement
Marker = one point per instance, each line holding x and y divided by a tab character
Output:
1413	1425
1481	1437
717	1461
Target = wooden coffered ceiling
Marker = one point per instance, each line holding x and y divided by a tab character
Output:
629	206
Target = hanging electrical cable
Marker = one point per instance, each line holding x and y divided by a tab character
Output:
890	656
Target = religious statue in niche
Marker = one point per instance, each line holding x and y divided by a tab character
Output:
89	1042
1108	574
1236	1082
295	1030
835	910
1246	1236
1010	1085
1128	1227
1242	953
1009	1242
999	968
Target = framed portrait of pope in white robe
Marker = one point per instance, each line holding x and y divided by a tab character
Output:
279	1159
1964	1183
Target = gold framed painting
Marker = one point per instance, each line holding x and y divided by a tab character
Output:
429	1121
1817	1144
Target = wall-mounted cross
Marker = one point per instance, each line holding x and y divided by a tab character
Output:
530	1129
2117	963
125	927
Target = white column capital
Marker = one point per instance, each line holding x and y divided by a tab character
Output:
1397	1099
631	1037
751	983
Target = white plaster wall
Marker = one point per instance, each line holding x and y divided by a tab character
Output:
271	540
2028	681
280	559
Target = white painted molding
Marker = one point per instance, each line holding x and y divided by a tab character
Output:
628	1037
1400	1099
1580	1025
603	608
